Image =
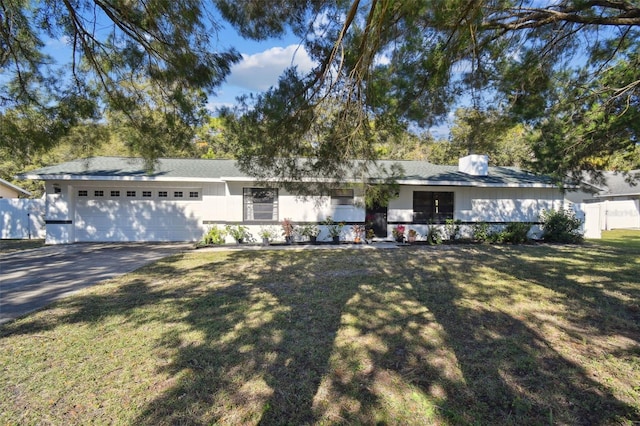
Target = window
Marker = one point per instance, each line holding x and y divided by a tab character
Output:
432	207
194	194
177	194
260	204
146	194
162	194
115	193
131	193
99	193
83	193
342	197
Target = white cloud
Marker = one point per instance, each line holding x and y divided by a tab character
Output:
260	71
58	43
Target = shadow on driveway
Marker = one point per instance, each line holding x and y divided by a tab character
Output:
32	279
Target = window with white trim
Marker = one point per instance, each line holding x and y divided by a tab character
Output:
115	193
177	194
194	194
99	193
83	193
146	194
163	194
131	193
260	204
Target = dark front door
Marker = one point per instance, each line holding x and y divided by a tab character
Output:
377	220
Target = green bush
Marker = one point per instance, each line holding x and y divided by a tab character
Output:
561	226
480	232
515	233
215	235
239	233
433	235
452	228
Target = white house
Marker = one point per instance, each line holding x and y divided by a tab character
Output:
114	199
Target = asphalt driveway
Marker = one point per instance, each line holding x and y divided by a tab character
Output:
32	279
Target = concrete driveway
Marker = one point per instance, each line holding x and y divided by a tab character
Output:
32	279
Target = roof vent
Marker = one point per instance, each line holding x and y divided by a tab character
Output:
474	165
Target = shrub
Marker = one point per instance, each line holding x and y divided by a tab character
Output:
561	226
239	233
452	228
515	233
433	235
214	235
480	232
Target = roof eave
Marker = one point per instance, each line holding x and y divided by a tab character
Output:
69	177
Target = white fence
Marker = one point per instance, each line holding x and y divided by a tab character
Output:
22	218
606	215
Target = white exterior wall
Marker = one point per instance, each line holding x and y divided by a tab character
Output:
299	209
58	214
480	204
473	204
72	218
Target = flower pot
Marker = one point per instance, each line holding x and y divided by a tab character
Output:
357	240
265	241
336	239
288	240
411	239
313	239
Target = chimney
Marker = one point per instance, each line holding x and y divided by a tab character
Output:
474	165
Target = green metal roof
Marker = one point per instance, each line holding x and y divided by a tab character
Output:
182	169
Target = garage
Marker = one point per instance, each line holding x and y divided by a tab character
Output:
136	213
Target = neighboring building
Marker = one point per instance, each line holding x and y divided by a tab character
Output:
114	199
612	202
9	190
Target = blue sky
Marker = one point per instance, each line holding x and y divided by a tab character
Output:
261	64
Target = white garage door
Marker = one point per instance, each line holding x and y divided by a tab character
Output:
126	214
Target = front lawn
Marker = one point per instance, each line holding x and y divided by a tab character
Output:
533	334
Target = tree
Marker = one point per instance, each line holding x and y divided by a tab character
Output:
412	59
487	132
568	65
115	46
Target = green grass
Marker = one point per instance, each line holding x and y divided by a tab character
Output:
535	334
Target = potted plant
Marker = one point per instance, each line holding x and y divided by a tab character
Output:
287	230
398	233
371	234
267	234
334	229
412	235
358	232
238	232
310	231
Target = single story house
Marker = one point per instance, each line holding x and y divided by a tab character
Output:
114	199
9	190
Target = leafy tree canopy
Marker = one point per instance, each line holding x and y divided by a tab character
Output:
567	70
147	62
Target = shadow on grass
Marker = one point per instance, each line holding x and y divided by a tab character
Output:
306	338
400	336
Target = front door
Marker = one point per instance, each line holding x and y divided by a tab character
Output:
376	218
